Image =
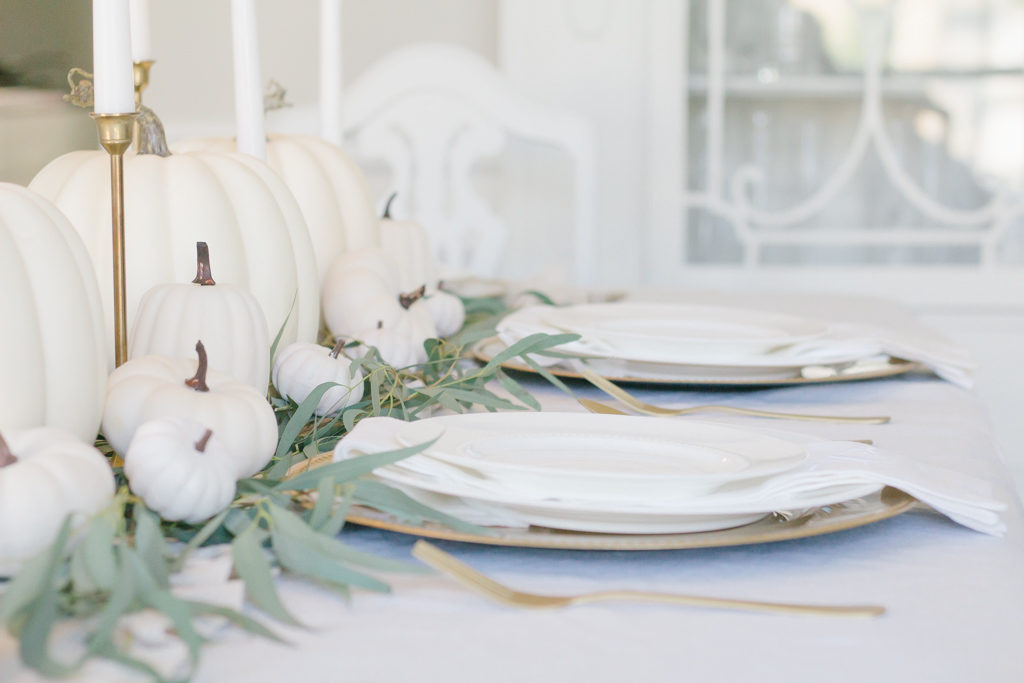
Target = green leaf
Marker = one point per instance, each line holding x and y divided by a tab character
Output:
303	559
324	502
237	618
200	537
254	569
516	389
93	565
150	545
34	647
334	524
118	602
530	343
541	296
161	599
330	547
546	374
347	470
392	501
300	417
26	586
280	331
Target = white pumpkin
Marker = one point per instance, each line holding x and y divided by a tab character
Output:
46	474
180	469
157	386
396	347
360	291
445	310
329	187
53	362
234	202
301	367
228	319
409	244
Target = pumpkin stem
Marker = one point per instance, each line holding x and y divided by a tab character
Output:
203	275
203	440
6	457
412	297
198	381
387	207
150	136
380	324
337	348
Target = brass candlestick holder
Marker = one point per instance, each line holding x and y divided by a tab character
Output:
115	131
141	72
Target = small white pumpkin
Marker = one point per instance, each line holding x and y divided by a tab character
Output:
46	474
157	386
360	291
180	469
228	319
53	363
396	347
445	310
409	244
300	367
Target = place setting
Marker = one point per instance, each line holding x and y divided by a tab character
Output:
701	344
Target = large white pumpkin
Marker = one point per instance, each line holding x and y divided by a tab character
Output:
234	202
52	358
330	188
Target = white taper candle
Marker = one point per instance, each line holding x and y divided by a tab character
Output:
113	81
142	50
330	70
250	129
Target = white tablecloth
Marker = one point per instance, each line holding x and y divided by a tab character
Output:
955	597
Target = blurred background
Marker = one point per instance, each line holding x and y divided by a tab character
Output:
857	145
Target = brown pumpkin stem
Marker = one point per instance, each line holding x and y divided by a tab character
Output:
412	297
337	348
380	324
198	381
203	275
387	207
203	440
6	457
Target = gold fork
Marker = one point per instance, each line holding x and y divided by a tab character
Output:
489	588
603	409
617	392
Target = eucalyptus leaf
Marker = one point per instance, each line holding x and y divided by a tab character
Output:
149	543
392	501
331	548
118	603
324	502
334	524
516	389
301	416
204	533
237	618
161	599
34	644
347	470
253	568
308	561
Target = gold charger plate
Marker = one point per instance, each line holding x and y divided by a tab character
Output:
485	351
829	519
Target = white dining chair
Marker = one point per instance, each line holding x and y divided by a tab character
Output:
432	113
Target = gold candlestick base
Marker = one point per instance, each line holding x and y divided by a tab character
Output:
115	131
141	72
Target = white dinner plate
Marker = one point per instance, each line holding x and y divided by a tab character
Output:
596	457
682	332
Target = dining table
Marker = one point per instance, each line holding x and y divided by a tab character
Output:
953	597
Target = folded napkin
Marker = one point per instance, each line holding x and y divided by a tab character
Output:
830	464
842	342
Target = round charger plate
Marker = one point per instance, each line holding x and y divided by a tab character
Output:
876	507
724	377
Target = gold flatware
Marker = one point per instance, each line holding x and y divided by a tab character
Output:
604	409
489	588
617	392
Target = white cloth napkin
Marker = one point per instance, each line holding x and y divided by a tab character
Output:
965	499
842	342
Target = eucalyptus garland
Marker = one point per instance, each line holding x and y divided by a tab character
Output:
120	561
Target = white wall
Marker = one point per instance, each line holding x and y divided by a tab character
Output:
191	86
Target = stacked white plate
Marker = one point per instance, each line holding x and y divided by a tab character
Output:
587	472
